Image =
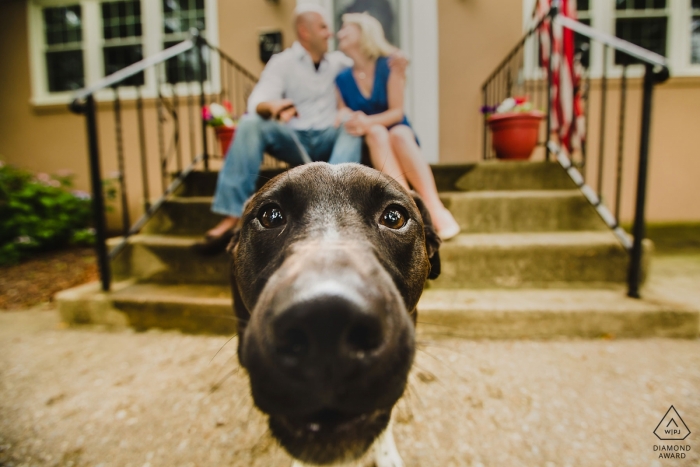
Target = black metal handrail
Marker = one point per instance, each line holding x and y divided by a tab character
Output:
511	74
177	69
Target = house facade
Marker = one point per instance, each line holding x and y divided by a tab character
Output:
51	47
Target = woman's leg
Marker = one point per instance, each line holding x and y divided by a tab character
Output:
419	175
381	155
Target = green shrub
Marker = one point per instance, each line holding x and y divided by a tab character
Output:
40	213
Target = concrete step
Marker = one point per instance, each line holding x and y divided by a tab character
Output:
539	260
489	175
477	212
169	259
204	183
475	314
189	308
502	175
183	216
522	211
544	314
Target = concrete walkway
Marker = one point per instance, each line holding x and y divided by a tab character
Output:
86	397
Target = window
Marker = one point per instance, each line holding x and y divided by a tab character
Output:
582	44
641	22
63	44
670	28
695	33
74	43
179	16
121	35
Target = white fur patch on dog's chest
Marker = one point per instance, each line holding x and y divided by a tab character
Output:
383	451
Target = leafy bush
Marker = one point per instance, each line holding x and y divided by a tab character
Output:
40	213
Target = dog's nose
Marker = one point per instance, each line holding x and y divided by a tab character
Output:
326	335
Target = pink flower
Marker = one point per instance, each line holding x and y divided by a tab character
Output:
228	106
206	114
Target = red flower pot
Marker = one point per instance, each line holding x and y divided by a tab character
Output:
225	135
514	134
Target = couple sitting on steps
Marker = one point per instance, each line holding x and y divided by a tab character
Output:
310	105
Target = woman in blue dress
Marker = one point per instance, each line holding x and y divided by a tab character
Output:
370	100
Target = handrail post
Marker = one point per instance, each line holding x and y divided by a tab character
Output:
199	43
98	203
639	227
553	11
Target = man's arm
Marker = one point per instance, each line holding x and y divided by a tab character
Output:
270	87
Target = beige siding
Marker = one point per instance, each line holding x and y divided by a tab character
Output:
474	36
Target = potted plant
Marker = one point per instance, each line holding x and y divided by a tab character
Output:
220	117
514	126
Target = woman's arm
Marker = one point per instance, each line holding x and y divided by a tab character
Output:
344	111
394	90
360	123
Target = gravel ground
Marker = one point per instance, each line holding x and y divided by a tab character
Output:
36	280
87	397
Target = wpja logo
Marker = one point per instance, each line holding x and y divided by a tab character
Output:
672	428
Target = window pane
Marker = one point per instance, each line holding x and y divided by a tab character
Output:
582	45
121	19
649	33
183	68
387	12
640	4
582	5
695	40
181	15
696	4
65	70
117	57
63	25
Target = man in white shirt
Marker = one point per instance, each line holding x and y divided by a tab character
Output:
291	115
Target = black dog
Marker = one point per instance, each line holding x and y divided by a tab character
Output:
328	265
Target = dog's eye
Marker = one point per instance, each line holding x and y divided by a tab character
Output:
271	216
393	217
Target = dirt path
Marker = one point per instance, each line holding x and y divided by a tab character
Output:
92	398
88	397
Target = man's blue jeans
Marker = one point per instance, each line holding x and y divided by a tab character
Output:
256	136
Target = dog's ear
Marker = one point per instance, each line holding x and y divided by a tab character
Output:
432	240
237	230
234	239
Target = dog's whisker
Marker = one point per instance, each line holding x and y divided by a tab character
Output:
215	387
217	352
414	392
443	364
435	344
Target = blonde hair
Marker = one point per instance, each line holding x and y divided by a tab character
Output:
372	40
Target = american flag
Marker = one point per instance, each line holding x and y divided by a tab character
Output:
567	119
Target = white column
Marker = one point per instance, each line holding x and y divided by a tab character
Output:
424	76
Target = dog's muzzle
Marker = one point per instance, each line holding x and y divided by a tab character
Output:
328	350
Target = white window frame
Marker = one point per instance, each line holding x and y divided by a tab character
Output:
602	14
152	40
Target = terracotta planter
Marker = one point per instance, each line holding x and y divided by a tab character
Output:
514	134
225	136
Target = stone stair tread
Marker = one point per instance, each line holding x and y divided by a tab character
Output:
183	241
544	314
474	314
190	199
523	239
511	194
528	300
198	294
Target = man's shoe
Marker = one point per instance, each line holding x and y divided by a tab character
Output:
213	245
